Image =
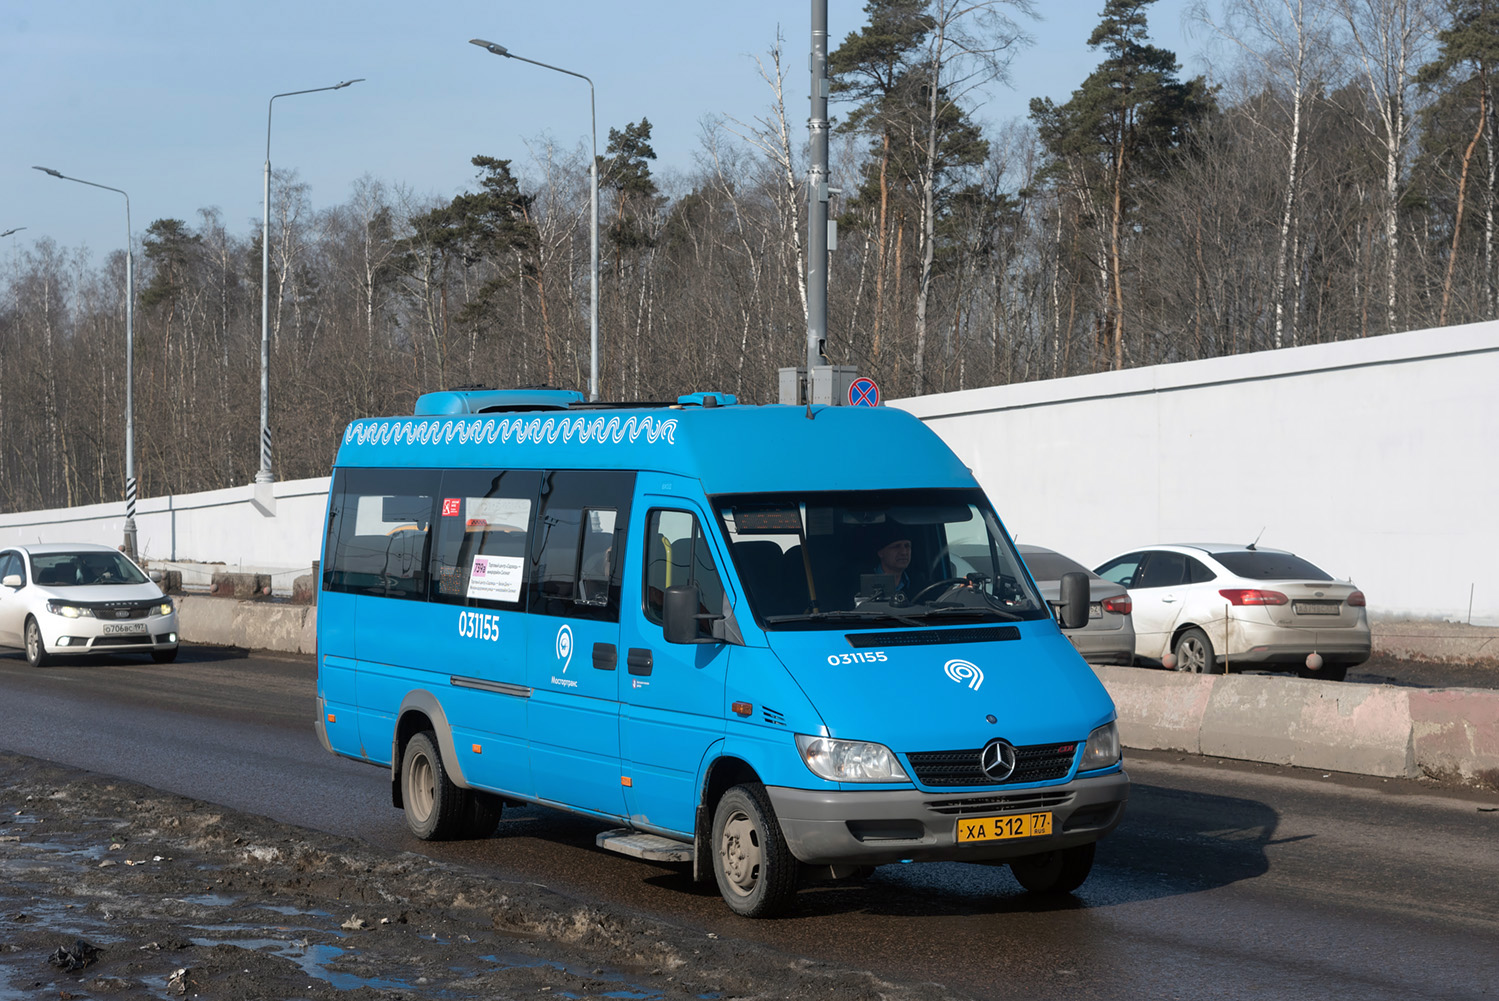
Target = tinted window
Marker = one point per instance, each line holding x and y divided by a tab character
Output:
1197	573
677	553
482	540
1270	566
85	569
1051	566
577	543
10	563
379	522
1162	570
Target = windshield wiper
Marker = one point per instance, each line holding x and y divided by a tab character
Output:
842	615
955	610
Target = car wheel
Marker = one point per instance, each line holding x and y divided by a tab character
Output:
36	647
1060	871
756	871
164	656
1194	653
436	809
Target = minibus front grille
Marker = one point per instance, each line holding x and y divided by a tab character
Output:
1033	763
933	637
999	804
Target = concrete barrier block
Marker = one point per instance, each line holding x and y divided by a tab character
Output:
1444	642
1455	732
308	641
268	627
1313	724
206	620
1158	710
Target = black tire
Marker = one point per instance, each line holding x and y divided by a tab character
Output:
756	871
1060	871
164	656
1327	672
1195	653
436	809
36	647
483	814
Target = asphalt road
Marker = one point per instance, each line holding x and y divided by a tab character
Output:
1225	879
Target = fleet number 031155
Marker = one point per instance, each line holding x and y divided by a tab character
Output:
478	626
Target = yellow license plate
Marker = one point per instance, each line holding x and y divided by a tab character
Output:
1015	825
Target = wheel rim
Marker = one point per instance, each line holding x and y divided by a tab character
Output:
421	786
1190	656
33	641
739	849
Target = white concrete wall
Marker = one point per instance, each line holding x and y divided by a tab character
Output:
1375	459
216	526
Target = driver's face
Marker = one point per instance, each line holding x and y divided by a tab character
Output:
895	557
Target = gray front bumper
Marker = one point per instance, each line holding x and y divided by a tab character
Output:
880	826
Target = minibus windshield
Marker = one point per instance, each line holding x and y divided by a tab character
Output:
889	557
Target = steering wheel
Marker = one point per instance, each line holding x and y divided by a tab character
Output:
945	582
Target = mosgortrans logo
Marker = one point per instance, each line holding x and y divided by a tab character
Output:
964	672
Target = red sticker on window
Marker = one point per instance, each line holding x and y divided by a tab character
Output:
450	506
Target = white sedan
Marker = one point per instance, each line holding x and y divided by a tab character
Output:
82	598
1212	608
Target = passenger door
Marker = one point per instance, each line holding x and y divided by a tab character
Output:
574	602
12	605
672	694
1159	596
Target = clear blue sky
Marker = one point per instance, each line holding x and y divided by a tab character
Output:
167	98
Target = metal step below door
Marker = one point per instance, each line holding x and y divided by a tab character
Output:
651	847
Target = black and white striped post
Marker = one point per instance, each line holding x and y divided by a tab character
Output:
129	547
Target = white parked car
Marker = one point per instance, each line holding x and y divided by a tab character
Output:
1218	607
81	598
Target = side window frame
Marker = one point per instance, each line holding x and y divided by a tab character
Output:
350	486
573	500
698	544
460	485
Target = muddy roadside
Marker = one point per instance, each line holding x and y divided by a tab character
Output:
110	889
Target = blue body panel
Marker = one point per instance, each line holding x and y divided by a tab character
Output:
608	719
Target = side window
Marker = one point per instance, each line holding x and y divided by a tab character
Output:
10	563
578	544
677	553
1163	570
379	523
1197	573
1122	570
483	534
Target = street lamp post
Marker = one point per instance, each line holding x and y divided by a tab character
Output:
10	231
129	362
593	229
264	473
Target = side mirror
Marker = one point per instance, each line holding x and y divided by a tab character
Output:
12	580
680	615
156	576
1072	610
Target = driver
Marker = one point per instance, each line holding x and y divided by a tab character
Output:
892	551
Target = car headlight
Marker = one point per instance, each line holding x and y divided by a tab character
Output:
1102	749
165	608
69	611
849	760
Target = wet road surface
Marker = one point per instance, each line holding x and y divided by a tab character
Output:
1225	879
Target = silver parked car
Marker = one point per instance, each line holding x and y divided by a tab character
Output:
82	598
1214	607
1109	636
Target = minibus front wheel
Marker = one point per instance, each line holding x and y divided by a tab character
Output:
755	869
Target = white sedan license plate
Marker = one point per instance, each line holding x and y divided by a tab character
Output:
1015	825
129	628
1317	607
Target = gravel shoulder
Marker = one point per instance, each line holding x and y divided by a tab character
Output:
150	895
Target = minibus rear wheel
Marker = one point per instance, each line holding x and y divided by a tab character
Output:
1060	871
756	871
436	809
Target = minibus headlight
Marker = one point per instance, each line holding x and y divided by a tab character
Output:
68	611
849	760
1102	749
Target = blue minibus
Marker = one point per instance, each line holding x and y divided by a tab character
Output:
780	644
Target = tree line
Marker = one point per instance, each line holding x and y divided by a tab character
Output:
1335	178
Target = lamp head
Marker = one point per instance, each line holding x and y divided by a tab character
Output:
49	170
497	49
340	86
10	231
